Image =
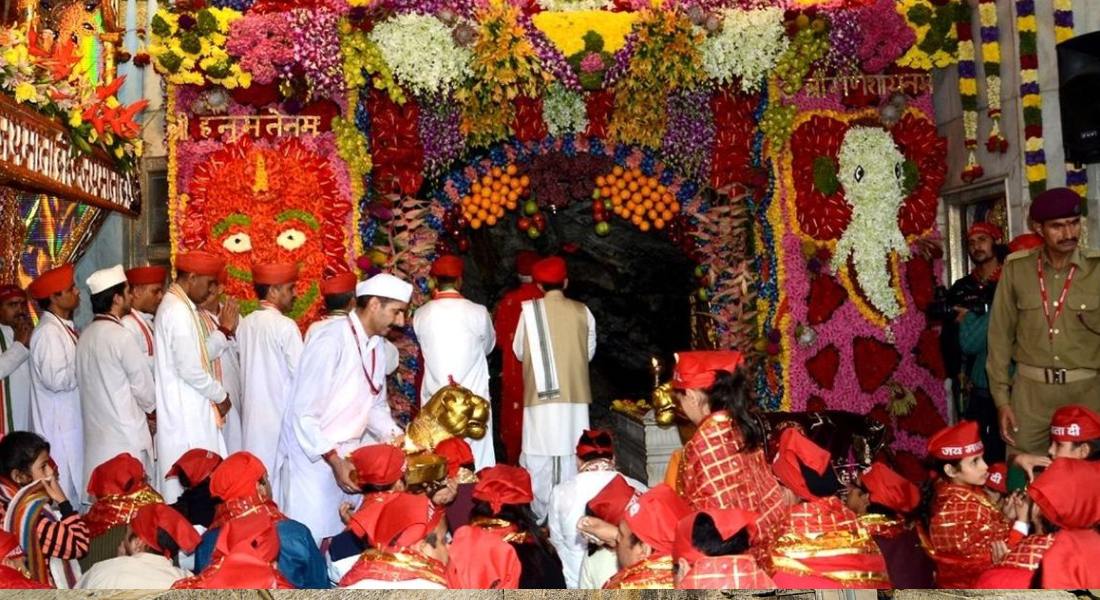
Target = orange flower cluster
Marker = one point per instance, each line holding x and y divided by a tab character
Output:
638	198
496	191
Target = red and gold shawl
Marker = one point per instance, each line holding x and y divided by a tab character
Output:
653	573
399	566
245	505
118	509
740	572
964	525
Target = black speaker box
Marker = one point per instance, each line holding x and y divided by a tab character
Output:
1079	95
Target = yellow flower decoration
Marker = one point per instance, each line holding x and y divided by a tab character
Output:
566	29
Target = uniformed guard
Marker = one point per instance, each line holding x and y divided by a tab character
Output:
1045	319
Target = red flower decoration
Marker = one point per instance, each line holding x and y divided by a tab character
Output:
599	105
922	282
529	125
396	151
924	420
929	355
826	295
874	361
917	139
823	367
734	126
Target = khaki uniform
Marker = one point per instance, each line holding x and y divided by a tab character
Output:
1035	367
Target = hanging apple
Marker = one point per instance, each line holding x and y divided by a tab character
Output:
530	207
523	223
603	228
539	221
533	233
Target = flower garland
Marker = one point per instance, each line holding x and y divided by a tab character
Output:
564	111
504	66
1076	176
747	47
968	94
190	49
666	57
421	53
933	22
991	61
1034	155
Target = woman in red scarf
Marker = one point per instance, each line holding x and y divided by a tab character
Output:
723	464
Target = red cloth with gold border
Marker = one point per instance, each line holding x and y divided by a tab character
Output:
237	571
715	473
119	509
506	321
740	572
399	566
246	505
653	573
823	543
964	525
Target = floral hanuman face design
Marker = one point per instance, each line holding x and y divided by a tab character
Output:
872	172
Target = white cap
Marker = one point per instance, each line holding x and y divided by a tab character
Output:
105	279
385	285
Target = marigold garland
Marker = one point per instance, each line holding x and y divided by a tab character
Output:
1034	156
505	66
934	25
1076	176
666	57
991	61
968	95
190	48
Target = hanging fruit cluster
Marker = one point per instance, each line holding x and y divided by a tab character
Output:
497	191
636	197
533	220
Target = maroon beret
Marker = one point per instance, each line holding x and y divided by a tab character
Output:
1055	203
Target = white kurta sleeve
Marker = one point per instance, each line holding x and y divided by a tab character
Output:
310	397
217	344
13	358
380	421
591	333
292	346
53	360
489	335
187	361
519	342
140	376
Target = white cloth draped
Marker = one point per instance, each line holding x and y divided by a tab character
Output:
455	335
140	324
15	366
55	399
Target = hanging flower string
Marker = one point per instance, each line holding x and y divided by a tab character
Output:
1076	176
991	61
968	94
1034	156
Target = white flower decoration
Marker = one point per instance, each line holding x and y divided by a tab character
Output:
421	53
238	243
747	47
872	173
291	239
564	110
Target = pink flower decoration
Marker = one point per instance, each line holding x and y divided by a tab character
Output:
263	43
885	36
592	63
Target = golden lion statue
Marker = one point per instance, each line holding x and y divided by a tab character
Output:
453	411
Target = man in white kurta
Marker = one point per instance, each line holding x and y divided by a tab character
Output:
338	398
146	292
116	385
191	404
15	366
455	335
270	346
555	340
55	397
226	360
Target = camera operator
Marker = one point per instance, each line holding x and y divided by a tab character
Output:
970	298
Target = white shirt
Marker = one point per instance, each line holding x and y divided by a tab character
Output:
116	393
15	366
227	370
567	504
597	568
140	324
55	398
333	406
270	346
186	390
455	335
142	571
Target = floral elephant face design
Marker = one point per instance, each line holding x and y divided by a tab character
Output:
872	172
253	203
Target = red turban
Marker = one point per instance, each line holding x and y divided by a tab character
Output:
503	484
237	476
447	265
274	274
378	465
1055	203
550	271
525	261
481	560
697	370
611	502
392	522
151	275
200	263
987	228
796	449
11	292
956	442
344	283
652	516
891	490
51	282
1066	492
998	478
151	517
1025	241
728	522
253	535
456	452
196	464
122	474
595	441
1074	423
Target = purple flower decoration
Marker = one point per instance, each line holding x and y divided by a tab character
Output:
689	136
317	51
440	136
